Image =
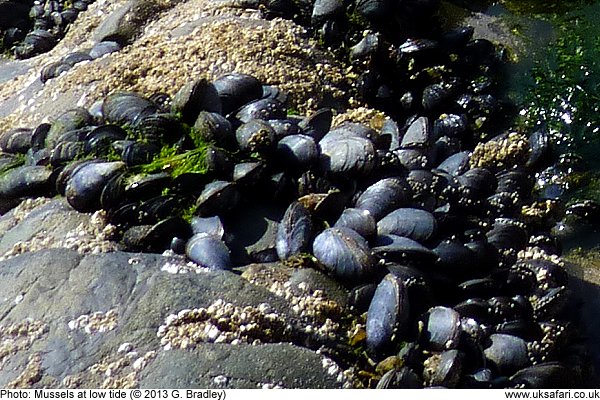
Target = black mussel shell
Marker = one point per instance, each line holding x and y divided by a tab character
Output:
360	221
317	124
387	315
100	140
506	354
53	70
70	120
138	153
16	140
146	187
158	127
549	375
403	378
32	181
297	151
208	251
213	127
124	108
236	89
86	183
209	225
103	48
194	97
384	196
255	136
346	153
442	329
295	231
248	174
265	109
445	369
216	198
397	248
412	223
158	237
345	254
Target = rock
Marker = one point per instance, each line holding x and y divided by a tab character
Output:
239	367
92	321
43	223
125	23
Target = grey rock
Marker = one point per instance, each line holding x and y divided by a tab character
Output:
125	23
57	288
55	219
239	367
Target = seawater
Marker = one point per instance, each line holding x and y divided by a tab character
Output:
555	83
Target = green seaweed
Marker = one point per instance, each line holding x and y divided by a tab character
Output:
564	89
175	163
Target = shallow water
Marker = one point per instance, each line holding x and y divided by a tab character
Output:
556	84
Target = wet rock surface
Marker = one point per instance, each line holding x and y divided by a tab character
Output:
92	321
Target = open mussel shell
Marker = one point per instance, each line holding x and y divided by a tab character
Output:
387	315
86	183
295	232
193	97
412	223
384	196
237	89
208	251
345	254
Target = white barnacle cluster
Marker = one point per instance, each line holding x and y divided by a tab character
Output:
93	237
346	378
536	253
120	370
316	310
19	336
97	322
181	265
222	322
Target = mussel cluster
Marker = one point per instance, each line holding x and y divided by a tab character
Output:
438	236
29	28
